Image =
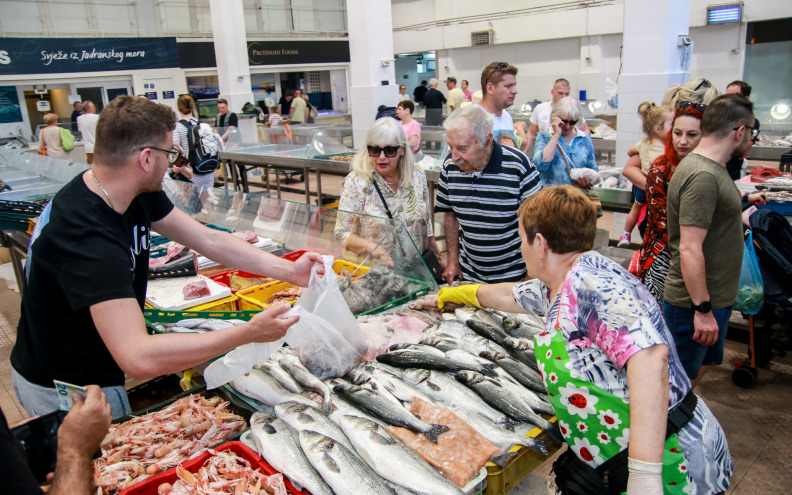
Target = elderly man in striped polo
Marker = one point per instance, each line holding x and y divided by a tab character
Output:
481	186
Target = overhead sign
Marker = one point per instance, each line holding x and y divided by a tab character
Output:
297	52
201	54
63	55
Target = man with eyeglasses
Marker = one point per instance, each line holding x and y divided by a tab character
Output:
499	87
87	266
737	166
705	236
540	118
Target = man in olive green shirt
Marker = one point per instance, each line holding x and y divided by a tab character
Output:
299	110
705	236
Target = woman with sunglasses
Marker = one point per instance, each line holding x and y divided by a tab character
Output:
567	148
384	169
685	135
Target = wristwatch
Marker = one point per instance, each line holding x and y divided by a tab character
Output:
704	307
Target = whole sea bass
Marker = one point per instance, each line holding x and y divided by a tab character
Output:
295	367
263	387
443	389
278	444
407	358
393	460
385	410
301	417
518	370
344	472
506	400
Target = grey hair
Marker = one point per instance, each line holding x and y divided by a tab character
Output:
88	104
566	107
433	82
385	131
473	117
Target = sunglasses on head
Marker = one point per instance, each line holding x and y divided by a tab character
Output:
569	122
499	67
390	151
698	106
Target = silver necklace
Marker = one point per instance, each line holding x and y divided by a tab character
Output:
109	201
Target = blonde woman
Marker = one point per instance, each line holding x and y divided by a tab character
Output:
50	138
385	163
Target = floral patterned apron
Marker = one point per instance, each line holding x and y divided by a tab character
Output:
594	422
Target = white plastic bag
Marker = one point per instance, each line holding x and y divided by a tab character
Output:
238	362
591	175
327	337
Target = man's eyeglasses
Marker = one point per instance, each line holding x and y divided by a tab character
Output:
173	153
390	151
569	122
499	67
754	132
698	106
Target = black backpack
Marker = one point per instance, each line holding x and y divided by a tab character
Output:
772	236
204	151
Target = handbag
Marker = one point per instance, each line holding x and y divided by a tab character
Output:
67	139
590	194
575	477
428	256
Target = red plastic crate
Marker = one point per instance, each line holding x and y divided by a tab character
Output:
149	486
294	255
224	278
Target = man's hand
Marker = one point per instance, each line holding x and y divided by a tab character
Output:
521	126
301	274
267	327
757	197
452	271
86	425
706	328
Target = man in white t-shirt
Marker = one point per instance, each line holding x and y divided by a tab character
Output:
499	85
540	118
455	95
403	96
86	124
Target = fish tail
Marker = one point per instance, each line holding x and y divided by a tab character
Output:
435	431
535	444
552	431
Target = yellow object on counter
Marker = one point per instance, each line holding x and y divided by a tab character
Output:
462	294
186	382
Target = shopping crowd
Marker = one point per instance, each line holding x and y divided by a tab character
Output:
619	358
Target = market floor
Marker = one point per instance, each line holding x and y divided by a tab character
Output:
758	422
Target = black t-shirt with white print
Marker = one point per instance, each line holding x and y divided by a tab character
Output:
81	253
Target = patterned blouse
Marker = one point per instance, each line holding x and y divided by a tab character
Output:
409	204
580	151
606	316
655	238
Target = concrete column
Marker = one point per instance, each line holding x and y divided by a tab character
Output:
370	45
230	44
651	61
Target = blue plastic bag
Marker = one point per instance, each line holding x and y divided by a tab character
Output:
750	292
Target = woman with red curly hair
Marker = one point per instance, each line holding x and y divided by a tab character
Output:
685	135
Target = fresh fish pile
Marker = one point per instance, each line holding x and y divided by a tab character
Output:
375	288
199	325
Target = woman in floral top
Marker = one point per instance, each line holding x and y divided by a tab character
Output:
386	161
607	357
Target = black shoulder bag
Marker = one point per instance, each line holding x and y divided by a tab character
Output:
429	258
575	477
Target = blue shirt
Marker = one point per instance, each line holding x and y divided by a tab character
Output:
580	151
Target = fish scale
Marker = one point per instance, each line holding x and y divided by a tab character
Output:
301	417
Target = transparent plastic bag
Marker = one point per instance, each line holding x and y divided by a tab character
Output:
327	337
750	292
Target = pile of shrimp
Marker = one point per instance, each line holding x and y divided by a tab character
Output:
143	446
224	472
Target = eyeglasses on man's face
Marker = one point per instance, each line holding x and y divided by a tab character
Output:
754	132
173	153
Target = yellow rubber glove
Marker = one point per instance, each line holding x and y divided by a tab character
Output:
462	294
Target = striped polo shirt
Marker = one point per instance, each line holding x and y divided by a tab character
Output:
486	204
